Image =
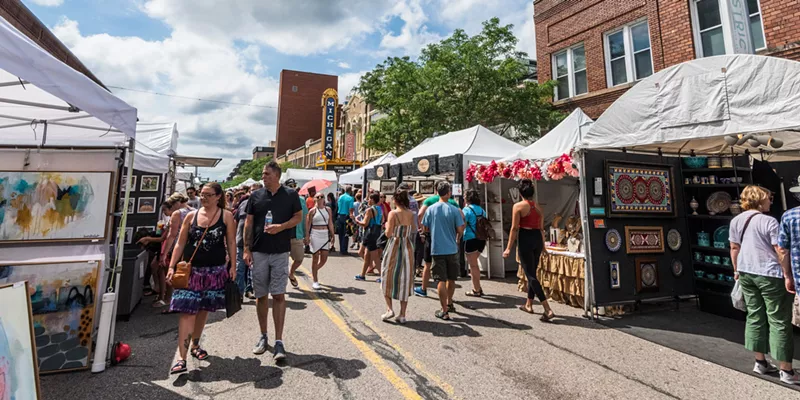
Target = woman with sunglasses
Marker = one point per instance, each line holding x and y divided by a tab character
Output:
319	236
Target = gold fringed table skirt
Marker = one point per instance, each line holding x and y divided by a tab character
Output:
561	275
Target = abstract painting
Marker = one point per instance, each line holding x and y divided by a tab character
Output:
50	206
19	378
639	189
644	239
646	274
149	183
63	305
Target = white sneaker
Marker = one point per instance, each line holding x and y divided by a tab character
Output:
316	286
401	320
389	315
790	379
764	370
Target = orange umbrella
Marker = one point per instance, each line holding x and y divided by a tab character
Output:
318	184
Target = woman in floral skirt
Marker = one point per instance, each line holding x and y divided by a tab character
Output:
210	235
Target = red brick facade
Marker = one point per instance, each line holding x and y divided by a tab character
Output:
564	23
300	108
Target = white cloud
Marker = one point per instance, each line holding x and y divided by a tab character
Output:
414	34
343	65
48	3
347	82
470	14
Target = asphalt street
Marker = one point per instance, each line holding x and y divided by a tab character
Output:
339	349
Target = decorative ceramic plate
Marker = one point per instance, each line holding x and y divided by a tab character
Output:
649	275
721	235
718	202
677	268
613	240
674	240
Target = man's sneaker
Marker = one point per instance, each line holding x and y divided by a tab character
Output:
279	354
316	286
261	346
764	369
249	294
790	379
419	292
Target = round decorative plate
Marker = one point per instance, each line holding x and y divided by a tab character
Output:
649	275
718	202
721	234
613	240
656	190
624	189
674	240
640	189
677	268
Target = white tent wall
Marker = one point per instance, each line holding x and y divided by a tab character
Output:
155	144
357	177
301	176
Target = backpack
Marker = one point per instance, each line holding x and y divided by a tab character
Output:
483	227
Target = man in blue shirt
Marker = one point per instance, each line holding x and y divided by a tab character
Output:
444	224
789	244
345	205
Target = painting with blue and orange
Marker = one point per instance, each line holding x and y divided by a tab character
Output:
53	205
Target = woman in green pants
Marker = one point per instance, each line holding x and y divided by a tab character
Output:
754	252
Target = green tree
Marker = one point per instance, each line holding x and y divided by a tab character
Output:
459	82
251	169
286	165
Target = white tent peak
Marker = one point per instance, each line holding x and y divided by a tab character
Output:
357	177
476	144
560	140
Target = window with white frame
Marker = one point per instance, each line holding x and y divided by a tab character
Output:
628	56
712	26
569	71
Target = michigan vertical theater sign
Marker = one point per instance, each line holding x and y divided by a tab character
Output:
330	100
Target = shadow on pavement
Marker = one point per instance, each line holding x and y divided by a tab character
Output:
454	328
327	367
347	290
234	370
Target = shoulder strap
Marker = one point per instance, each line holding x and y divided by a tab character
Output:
746	224
197	245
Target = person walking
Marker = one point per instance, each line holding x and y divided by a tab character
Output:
444	224
194	202
473	247
359	208
319	236
765	284
385	207
331	203
526	225
397	269
244	279
422	291
272	215
310	198
371	225
208	242
344	213
297	252
173	229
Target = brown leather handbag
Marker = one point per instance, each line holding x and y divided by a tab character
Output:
180	279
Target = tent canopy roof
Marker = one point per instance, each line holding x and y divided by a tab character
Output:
194	161
476	143
39	92
304	175
356	177
155	144
693	105
561	139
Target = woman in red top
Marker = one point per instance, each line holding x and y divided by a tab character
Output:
526	224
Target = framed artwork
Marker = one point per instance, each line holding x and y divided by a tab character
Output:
125	181
19	375
129	235
63	302
427	187
614	274
388	187
131	205
147	205
644	239
412	185
639	189
646	274
149	183
54	206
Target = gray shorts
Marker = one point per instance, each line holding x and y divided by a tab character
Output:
270	273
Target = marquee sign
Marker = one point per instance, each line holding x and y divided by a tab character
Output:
330	100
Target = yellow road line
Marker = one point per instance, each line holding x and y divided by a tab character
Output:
370	354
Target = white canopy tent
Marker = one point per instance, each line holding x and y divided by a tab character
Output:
476	144
357	177
693	105
560	140
156	144
301	176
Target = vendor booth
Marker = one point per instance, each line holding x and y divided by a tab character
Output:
357	177
63	142
302	176
662	169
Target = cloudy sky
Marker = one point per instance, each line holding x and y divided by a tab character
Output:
234	50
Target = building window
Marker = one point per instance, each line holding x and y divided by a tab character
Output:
713	31
628	56
569	70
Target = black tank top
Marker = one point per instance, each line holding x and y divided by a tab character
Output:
212	251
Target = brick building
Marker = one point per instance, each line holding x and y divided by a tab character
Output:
597	49
264	151
300	107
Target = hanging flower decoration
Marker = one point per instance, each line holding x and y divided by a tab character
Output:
554	169
470	176
536	172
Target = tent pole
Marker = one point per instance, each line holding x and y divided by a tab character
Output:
459	180
588	292
44	135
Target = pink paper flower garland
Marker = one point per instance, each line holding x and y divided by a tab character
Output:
523	169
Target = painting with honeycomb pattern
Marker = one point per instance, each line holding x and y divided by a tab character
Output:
63	304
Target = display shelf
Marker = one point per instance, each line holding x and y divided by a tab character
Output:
718	217
714	281
700	170
712	265
717	185
714	249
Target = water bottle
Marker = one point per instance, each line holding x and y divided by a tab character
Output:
268	220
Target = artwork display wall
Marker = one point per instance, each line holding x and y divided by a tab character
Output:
19	378
637	189
63	300
53	206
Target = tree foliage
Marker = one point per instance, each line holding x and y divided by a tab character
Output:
252	170
457	83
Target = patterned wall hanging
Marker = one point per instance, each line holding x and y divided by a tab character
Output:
646	274
614	274
613	240
644	239
639	189
674	240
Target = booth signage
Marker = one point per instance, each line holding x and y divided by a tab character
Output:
424	166
427	165
341	168
330	100
379	172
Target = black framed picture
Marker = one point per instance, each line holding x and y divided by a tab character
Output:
427	187
639	189
149	183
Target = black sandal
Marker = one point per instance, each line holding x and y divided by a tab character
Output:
199	353
473	293
293	281
526	309
547	317
179	367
